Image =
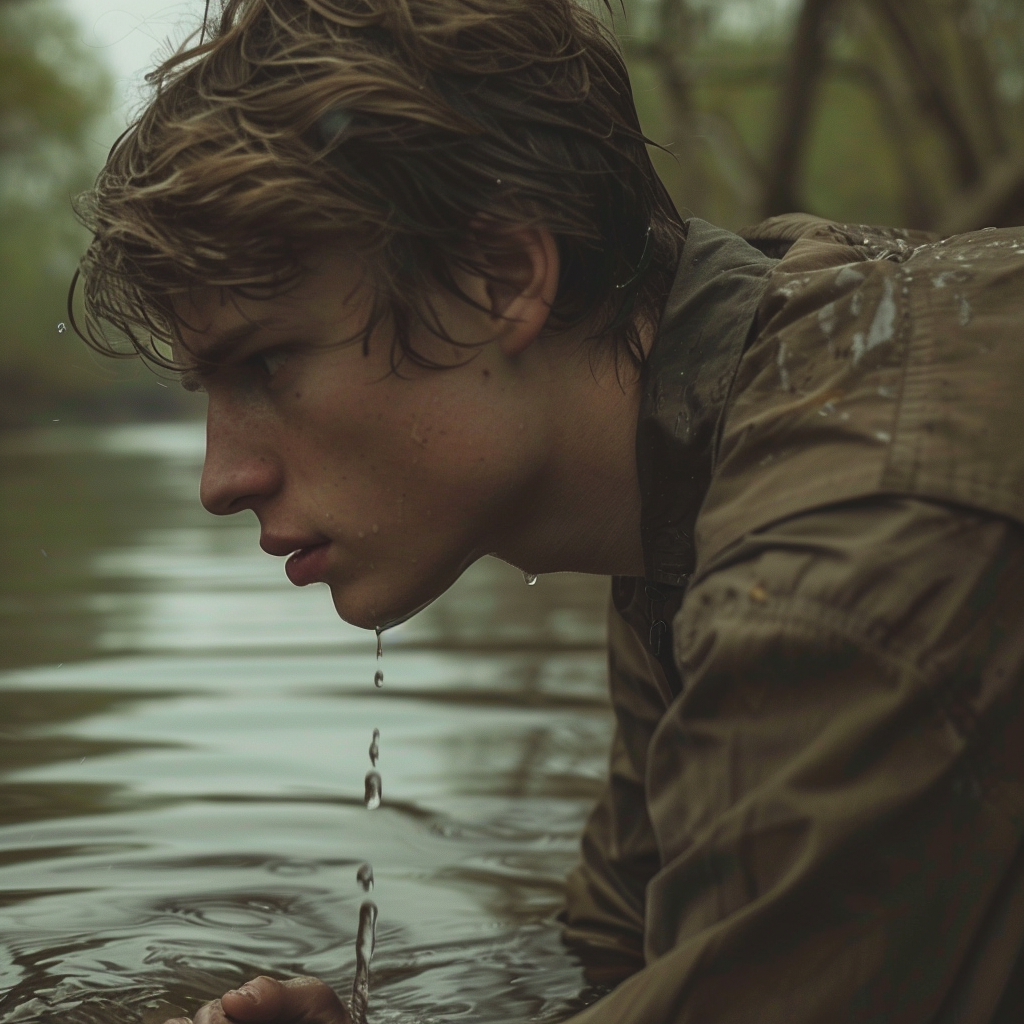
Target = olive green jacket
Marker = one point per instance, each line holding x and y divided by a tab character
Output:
815	808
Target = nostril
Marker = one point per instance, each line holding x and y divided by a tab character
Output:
234	485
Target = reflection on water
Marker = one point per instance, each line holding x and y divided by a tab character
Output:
183	745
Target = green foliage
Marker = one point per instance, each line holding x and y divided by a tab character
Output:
54	97
884	111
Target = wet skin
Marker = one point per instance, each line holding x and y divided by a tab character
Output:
266	1001
390	486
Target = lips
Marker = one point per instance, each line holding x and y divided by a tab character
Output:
307	565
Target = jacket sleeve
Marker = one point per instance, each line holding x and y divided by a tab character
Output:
837	794
604	913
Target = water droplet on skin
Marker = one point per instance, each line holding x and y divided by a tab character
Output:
364	876
373	791
378	679
374	748
365	941
530	578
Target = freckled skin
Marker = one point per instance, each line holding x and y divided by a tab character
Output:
522	451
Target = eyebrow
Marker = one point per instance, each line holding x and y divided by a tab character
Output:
223	347
219	351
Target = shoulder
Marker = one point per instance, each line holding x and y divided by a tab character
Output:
884	364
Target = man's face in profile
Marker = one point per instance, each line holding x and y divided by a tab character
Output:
385	487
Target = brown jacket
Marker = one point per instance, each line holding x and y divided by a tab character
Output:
815	809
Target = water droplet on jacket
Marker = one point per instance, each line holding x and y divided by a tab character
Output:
373	791
364	876
374	748
530	578
378	678
365	941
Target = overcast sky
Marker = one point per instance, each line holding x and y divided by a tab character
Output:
132	34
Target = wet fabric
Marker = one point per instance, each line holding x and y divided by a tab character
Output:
815	808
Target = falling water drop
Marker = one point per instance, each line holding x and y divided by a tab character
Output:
365	941
530	578
374	748
378	678
380	647
364	876
373	791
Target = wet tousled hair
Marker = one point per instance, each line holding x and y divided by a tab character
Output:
387	126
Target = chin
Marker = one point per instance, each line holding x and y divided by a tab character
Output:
369	611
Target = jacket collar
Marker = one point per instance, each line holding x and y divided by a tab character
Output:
704	330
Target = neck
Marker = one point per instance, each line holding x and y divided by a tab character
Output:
582	513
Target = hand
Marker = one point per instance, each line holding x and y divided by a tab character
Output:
266	1001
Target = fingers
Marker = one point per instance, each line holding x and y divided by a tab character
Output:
210	1013
266	1001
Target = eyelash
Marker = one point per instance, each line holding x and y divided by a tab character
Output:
268	362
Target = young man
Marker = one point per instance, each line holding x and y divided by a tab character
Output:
442	307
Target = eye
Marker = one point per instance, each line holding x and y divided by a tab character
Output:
272	360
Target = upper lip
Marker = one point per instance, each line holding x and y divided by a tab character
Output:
274	544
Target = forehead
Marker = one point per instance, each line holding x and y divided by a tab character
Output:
213	323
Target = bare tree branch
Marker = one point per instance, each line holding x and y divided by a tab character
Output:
804	71
981	79
997	202
917	199
907	22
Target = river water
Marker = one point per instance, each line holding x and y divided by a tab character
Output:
183	744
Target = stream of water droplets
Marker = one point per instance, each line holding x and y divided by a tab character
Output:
365	941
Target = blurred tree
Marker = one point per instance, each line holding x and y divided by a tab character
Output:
54	97
897	111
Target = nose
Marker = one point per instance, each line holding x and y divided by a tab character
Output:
240	469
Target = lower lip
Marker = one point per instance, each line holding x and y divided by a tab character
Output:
307	565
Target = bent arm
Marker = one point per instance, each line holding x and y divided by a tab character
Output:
605	894
838	792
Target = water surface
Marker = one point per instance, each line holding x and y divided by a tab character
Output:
184	739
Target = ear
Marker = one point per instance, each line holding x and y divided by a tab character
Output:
525	261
